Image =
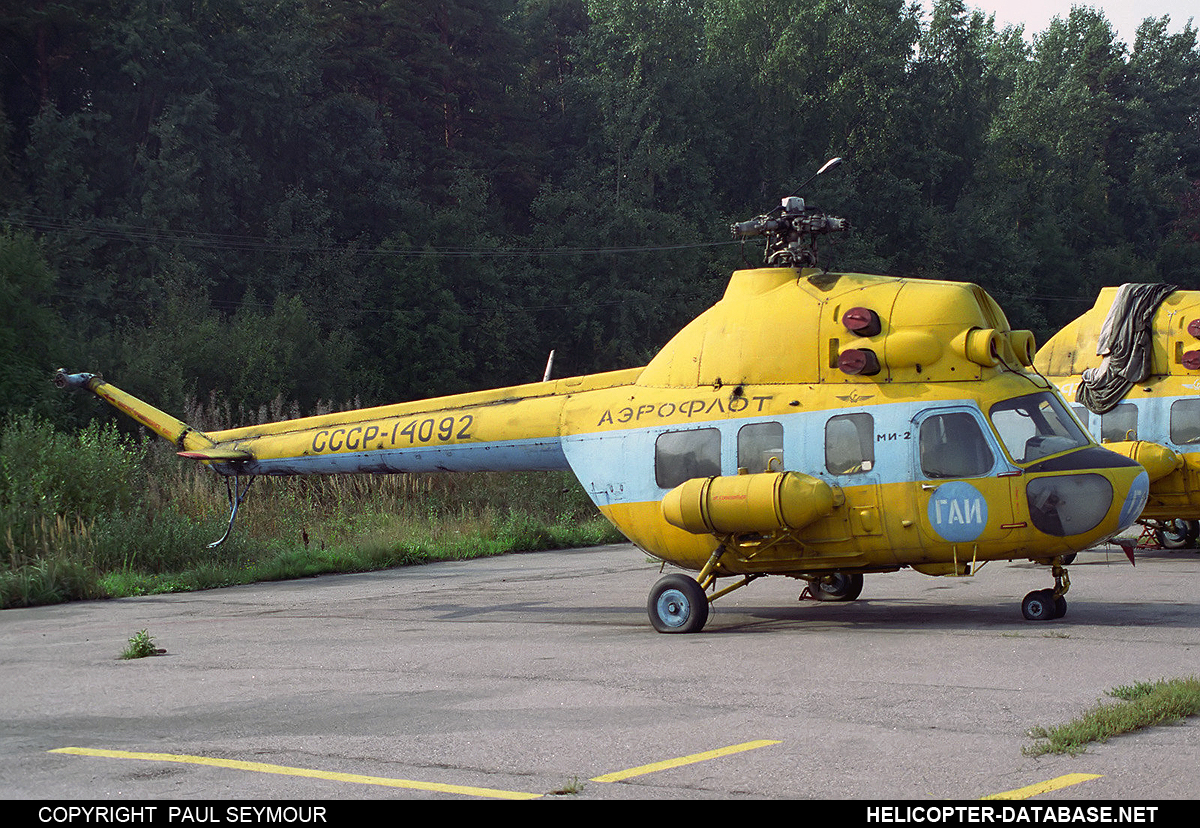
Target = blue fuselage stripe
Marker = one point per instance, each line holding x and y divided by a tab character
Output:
618	466
542	454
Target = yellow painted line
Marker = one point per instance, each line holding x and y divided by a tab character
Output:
683	760
260	767
1055	784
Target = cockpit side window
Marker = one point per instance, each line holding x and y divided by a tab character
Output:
1035	426
1185	422
681	455
953	445
760	447
850	444
1119	423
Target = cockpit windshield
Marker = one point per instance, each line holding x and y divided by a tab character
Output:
1035	426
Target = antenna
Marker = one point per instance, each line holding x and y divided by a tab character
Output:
828	165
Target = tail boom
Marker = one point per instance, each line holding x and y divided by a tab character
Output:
508	429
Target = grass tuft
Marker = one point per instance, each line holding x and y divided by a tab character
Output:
140	645
1140	705
571	788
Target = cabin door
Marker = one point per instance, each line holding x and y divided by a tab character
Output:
964	487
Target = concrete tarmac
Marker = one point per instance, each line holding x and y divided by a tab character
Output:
539	675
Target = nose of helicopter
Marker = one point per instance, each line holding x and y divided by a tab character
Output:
1135	501
1088	495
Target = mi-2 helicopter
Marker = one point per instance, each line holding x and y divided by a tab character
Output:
811	424
1131	367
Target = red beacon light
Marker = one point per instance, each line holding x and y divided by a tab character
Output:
862	321
858	362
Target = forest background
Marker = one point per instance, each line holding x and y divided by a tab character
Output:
239	209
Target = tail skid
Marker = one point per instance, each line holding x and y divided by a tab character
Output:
237	494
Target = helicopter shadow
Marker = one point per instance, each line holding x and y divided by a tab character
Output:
901	615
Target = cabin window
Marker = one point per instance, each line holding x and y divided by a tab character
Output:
681	455
953	445
1119	424
850	444
760	447
1035	426
1185	422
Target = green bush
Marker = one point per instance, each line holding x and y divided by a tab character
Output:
46	473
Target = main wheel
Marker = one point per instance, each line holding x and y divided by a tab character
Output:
1039	605
677	604
1175	534
840	586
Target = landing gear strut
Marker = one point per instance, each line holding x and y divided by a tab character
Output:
679	604
1048	604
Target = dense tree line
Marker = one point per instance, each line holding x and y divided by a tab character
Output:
386	199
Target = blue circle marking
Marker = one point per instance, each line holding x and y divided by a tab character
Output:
958	512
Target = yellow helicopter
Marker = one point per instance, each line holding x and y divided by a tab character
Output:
1131	365
810	424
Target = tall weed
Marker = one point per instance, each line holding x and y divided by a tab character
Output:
45	473
96	514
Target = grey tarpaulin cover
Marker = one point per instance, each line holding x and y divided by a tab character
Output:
1125	344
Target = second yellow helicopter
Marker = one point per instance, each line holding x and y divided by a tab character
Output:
1131	367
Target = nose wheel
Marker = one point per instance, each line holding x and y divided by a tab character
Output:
1177	534
1043	605
1048	604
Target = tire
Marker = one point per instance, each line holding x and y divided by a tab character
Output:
1039	605
840	586
1174	534
677	604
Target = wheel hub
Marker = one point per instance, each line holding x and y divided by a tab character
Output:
673	607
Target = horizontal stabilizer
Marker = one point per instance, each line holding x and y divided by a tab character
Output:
218	455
